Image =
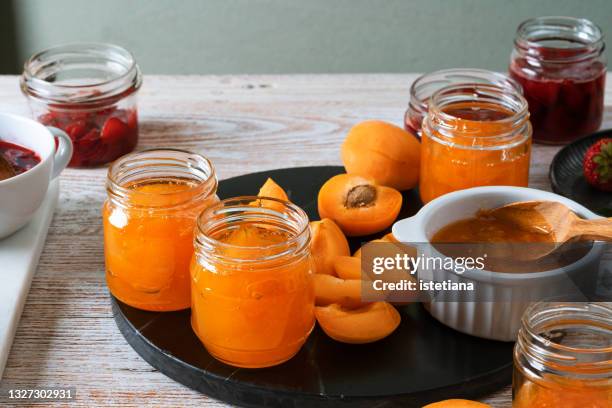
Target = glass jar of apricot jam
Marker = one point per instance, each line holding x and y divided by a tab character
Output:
149	218
560	63
563	356
426	85
474	135
89	91
251	281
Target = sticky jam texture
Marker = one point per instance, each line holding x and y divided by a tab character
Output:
565	99
464	161
98	136
251	316
148	251
21	158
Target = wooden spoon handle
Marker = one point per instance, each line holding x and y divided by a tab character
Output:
593	230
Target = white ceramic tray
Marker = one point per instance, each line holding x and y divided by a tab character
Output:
19	255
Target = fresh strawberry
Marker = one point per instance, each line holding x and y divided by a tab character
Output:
597	165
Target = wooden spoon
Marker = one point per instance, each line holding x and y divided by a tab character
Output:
555	221
6	169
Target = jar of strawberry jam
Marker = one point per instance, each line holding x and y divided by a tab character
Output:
154	198
474	135
560	63
89	91
426	85
563	356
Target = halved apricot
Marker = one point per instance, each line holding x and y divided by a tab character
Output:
366	324
358	205
330	289
327	242
383	152
457	403
348	267
272	190
387	238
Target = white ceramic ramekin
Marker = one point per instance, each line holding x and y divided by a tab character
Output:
512	292
22	195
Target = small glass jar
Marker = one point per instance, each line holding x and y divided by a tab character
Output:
474	135
426	85
561	65
563	356
154	198
89	91
252	291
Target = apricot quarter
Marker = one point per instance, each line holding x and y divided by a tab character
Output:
271	190
327	242
383	152
457	403
330	289
348	267
387	238
358	205
367	324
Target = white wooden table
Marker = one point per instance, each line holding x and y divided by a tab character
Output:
67	336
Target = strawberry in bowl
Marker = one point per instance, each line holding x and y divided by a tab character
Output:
597	164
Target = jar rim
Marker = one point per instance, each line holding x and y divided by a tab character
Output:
195	164
585	37
545	354
125	75
510	99
243	204
454	76
540	310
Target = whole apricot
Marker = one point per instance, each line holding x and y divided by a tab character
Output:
457	403
327	242
387	154
366	324
358	205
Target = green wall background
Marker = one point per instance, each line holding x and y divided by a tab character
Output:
290	36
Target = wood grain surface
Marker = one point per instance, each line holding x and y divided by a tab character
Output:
67	336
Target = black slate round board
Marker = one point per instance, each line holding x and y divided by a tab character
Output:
566	175
421	362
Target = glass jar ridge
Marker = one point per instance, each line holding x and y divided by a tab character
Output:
563	356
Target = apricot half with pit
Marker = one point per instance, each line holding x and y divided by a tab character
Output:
366	324
383	152
457	403
358	205
327	242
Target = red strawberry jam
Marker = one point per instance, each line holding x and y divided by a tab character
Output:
89	91
98	137
564	104
20	158
559	61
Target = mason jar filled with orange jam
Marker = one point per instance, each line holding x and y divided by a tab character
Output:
563	356
251	281
154	198
474	135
